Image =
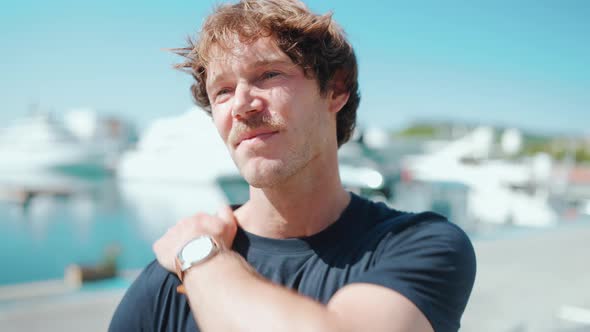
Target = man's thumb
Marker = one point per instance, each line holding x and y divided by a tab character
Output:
226	214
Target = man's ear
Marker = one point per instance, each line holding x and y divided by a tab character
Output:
338	95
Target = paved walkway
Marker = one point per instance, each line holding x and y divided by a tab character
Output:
89	312
528	282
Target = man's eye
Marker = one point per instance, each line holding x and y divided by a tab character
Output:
221	92
270	74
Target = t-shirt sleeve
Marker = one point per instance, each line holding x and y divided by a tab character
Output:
432	263
152	304
135	311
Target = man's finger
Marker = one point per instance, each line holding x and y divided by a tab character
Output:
226	214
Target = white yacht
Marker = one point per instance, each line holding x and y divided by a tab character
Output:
40	142
499	191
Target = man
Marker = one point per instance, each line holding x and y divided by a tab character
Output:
302	254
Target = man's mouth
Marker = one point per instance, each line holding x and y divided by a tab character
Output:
253	137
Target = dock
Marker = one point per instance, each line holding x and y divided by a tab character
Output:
23	195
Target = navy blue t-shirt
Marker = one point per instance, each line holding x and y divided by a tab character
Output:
421	256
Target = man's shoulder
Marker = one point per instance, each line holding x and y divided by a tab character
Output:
427	226
381	215
427	259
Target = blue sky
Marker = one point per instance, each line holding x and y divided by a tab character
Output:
521	63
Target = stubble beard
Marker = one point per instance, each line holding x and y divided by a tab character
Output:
273	173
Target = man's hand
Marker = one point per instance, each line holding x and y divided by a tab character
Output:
222	228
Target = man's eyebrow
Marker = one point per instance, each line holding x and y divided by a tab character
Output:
214	80
266	62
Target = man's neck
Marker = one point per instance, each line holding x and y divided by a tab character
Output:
304	205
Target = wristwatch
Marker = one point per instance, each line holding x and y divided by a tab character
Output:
195	252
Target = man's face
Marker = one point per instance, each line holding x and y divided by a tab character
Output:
271	117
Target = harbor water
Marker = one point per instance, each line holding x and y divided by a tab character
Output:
40	239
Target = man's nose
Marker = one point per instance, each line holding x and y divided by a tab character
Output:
246	102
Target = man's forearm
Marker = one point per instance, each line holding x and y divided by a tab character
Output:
227	295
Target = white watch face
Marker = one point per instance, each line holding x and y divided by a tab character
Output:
196	250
